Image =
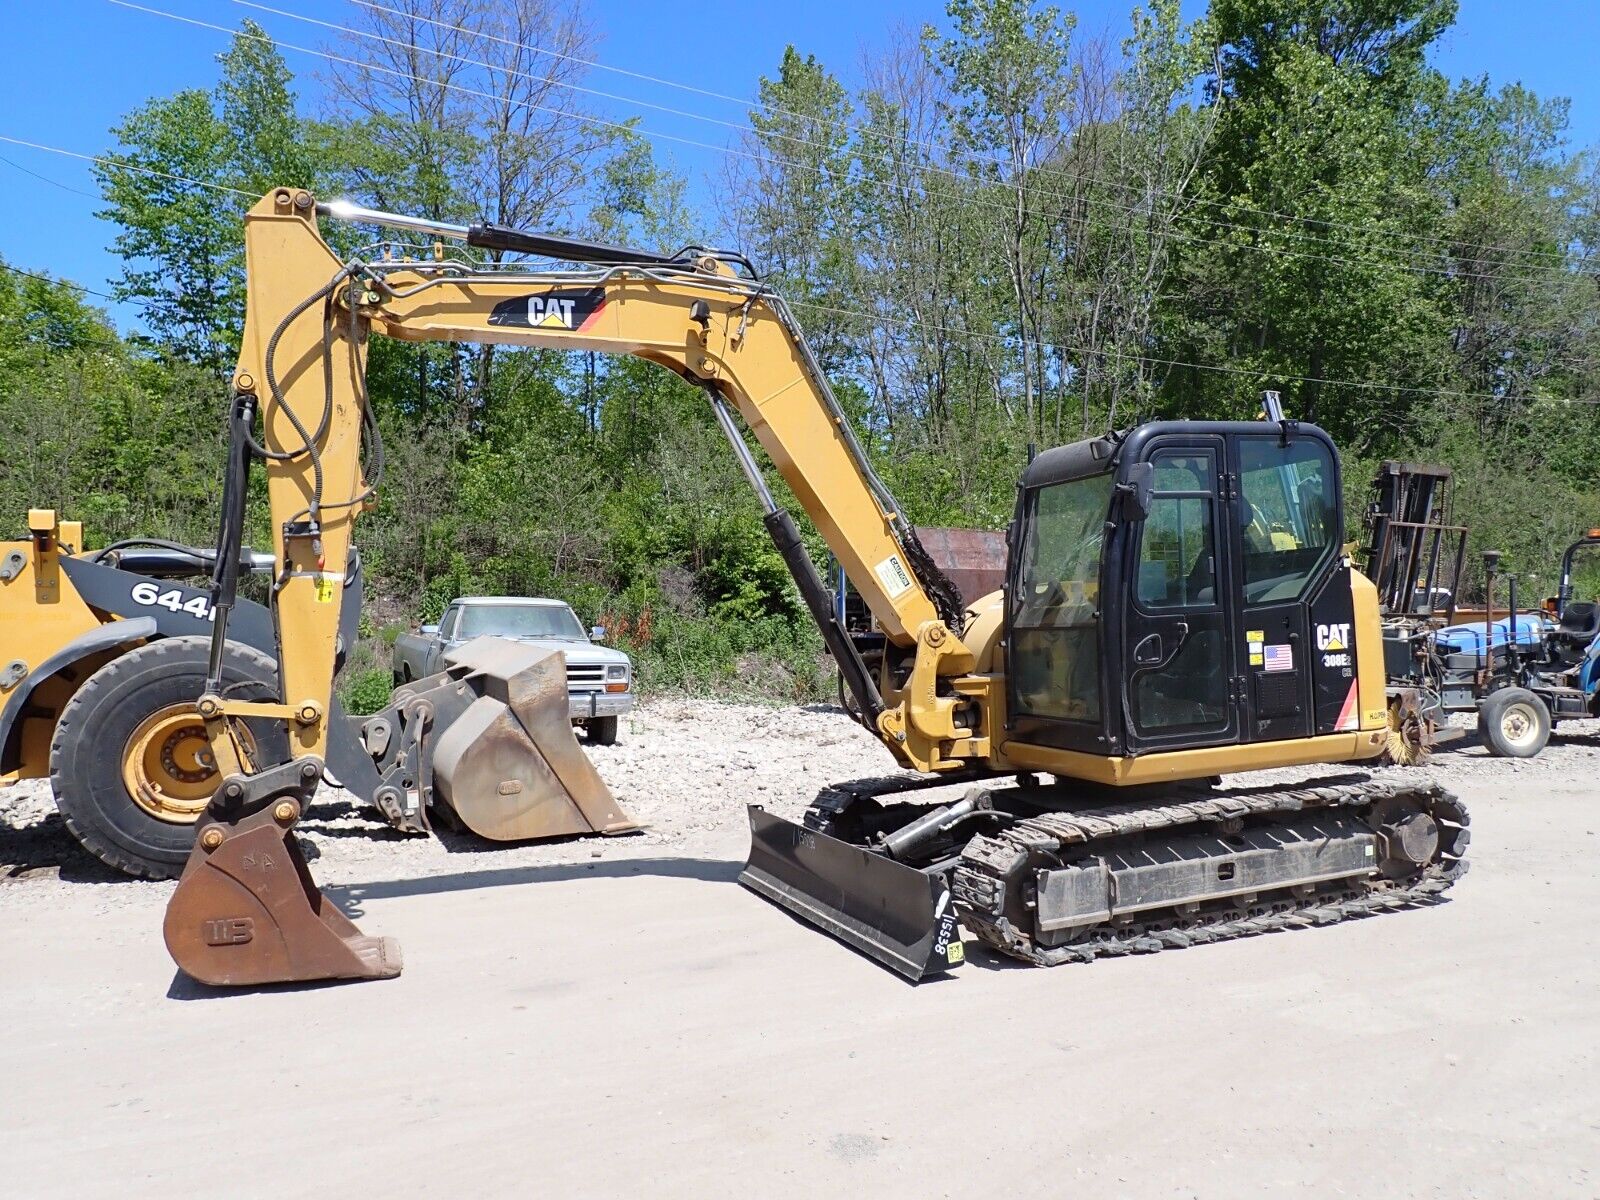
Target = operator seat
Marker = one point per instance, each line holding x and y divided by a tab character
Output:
1579	624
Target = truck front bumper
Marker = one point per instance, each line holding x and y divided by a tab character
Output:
583	705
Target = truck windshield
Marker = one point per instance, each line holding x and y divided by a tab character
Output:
520	620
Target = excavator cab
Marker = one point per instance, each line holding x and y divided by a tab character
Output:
1182	586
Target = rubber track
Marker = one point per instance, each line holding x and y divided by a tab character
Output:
992	863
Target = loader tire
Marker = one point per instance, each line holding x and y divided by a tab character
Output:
126	723
1513	723
602	731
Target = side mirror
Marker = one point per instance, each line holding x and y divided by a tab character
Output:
597	633
430	629
1136	493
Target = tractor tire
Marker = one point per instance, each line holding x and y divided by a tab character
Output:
129	763
1513	723
602	731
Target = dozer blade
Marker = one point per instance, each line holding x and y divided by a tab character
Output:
900	916
506	761
246	911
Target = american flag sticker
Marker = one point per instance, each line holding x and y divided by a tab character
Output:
1279	658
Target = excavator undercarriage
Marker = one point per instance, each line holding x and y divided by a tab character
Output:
1062	873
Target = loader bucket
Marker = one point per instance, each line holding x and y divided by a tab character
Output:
897	914
506	762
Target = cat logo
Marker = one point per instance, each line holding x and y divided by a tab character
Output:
571	309
1333	637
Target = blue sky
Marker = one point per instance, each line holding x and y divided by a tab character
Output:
75	66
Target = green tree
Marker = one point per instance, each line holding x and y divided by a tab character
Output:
177	184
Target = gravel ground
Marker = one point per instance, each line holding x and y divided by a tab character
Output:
600	1018
683	768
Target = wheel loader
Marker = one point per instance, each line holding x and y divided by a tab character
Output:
1177	605
104	653
130	770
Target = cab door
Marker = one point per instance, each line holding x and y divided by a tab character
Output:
1179	644
1286	500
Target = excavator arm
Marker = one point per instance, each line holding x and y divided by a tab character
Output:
301	374
308	321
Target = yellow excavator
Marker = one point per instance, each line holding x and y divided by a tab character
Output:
1178	605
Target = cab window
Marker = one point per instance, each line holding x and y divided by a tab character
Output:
1055	618
1290	515
1176	564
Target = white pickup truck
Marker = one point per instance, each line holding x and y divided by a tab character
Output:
599	679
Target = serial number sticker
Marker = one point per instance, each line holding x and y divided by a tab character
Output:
955	952
893	575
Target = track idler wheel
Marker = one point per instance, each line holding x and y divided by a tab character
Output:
246	910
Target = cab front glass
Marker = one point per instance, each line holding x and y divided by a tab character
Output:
1055	611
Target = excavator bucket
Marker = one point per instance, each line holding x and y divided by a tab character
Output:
246	911
506	763
896	914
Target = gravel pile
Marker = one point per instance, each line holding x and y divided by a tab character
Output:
685	768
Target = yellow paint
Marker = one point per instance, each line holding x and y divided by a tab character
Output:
1193	764
40	612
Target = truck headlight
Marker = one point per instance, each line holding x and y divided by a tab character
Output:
617	677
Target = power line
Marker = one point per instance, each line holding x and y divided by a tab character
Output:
1063	347
125	166
931	145
46	179
881	319
113	342
1413	268
51	279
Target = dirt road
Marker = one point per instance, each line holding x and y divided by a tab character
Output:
637	1024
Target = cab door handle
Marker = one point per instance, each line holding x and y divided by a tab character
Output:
1148	652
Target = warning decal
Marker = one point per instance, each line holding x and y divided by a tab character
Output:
893	575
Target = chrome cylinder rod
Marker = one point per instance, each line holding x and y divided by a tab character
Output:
344	210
